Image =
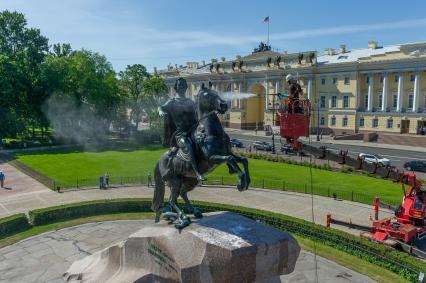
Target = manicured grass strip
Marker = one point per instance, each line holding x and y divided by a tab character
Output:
352	262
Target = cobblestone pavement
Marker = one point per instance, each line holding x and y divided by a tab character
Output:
44	258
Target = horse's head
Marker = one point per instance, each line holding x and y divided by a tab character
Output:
209	101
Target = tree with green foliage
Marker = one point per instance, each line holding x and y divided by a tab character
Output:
155	94
22	52
131	82
84	85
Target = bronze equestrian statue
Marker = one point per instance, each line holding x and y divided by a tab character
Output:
199	144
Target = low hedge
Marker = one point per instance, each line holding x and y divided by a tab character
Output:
53	214
398	262
13	224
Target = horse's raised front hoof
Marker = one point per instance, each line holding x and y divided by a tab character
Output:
197	213
240	187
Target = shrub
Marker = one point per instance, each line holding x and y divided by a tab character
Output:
13	224
84	209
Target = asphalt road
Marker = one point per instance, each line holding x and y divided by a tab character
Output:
396	156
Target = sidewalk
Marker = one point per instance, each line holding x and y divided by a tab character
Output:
289	203
330	140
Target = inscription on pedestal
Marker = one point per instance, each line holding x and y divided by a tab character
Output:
162	258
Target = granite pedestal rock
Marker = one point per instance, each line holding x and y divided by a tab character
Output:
221	247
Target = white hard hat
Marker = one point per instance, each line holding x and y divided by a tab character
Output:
289	77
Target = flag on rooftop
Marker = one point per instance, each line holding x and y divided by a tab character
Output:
266	20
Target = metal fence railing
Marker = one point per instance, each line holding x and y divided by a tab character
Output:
262	183
305	188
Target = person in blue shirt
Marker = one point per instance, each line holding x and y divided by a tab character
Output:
2	178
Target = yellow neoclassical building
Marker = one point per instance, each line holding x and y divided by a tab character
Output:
372	89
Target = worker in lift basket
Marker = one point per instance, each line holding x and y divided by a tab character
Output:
294	92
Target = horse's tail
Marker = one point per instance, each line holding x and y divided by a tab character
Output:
158	199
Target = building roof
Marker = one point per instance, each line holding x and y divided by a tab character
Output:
355	55
410	50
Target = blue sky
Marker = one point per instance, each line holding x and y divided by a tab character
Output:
156	33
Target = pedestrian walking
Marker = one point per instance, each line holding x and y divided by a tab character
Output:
2	178
149	180
106	179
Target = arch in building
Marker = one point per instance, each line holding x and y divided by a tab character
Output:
255	106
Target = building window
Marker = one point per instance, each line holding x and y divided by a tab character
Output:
345	101
395	101
396	78
381	79
367	79
322	121
335	81
334	101
361	122
412	77
322	101
345	122
333	121
366	101
323	81
410	101
389	124
347	81
380	100
375	123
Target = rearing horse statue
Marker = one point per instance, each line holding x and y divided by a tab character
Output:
212	147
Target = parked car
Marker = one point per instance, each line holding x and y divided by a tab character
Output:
375	158
286	148
415	165
236	143
262	145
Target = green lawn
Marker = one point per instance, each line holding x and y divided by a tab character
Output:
66	165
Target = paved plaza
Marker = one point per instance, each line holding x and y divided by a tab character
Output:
44	258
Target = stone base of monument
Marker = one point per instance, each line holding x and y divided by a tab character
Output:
221	247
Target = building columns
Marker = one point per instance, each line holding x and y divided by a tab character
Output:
277	87
416	97
358	92
400	91
310	89
370	93
385	93
266	95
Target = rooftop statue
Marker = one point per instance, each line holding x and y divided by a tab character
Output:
198	144
262	47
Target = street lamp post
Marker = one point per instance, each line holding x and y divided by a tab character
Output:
273	122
